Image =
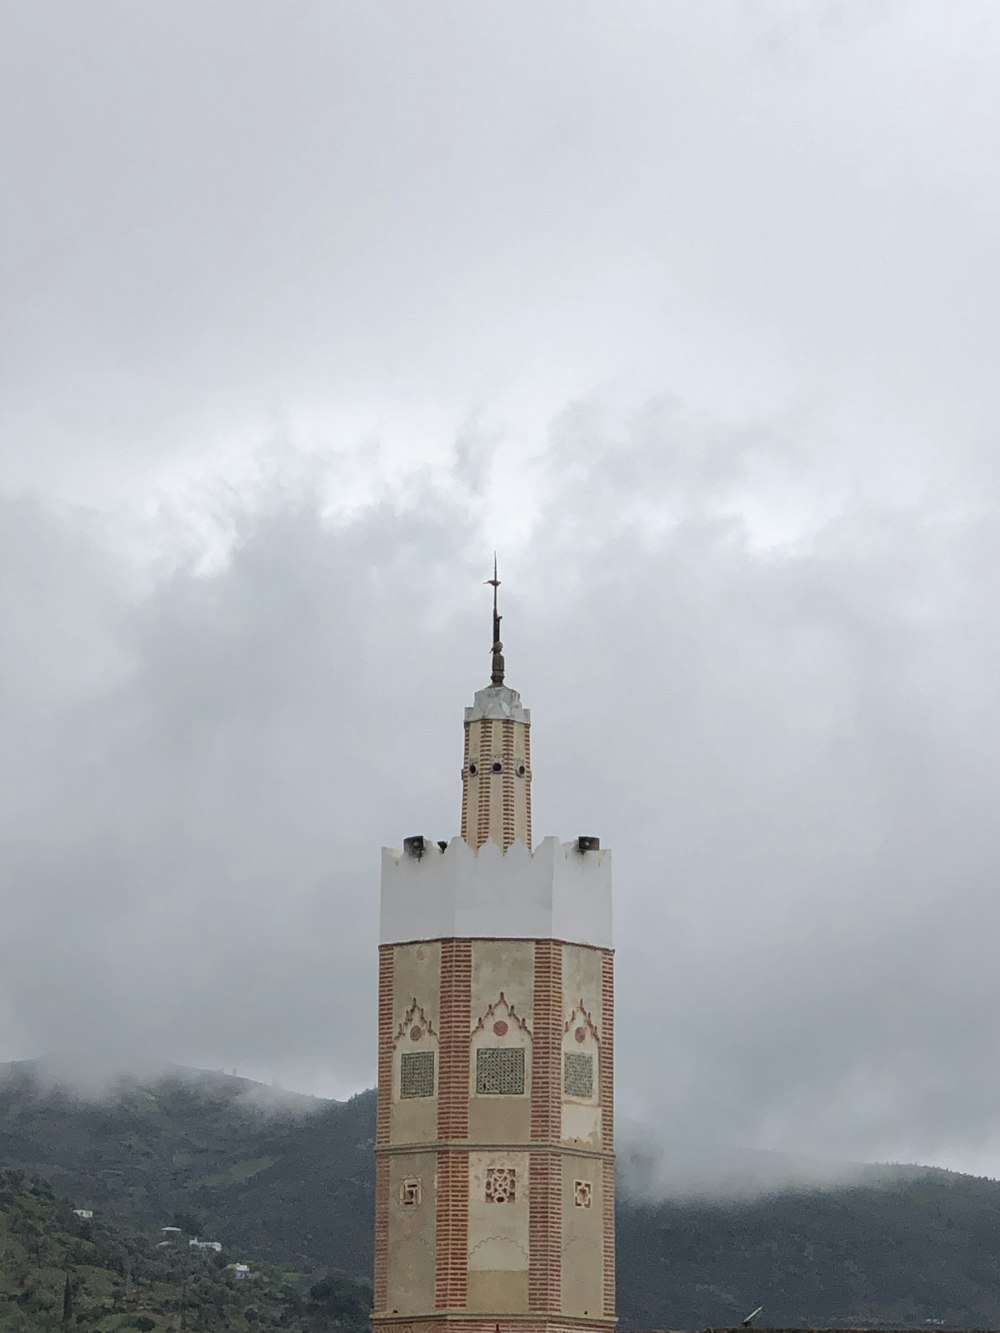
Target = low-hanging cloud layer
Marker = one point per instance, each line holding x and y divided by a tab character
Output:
792	750
688	307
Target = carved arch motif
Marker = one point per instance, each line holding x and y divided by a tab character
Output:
415	1025
500	1019
581	1024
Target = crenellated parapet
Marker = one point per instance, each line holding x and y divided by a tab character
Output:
559	891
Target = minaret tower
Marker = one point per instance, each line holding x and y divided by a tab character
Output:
494	1197
496	774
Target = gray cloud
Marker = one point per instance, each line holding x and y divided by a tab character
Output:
791	749
690	309
221	217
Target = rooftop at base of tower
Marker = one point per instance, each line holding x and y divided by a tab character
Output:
560	891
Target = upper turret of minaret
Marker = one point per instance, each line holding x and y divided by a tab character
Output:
496	771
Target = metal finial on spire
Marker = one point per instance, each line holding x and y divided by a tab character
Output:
497	649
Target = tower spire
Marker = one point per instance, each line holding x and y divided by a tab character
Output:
496	676
496	771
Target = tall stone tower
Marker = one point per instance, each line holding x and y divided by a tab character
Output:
494	1198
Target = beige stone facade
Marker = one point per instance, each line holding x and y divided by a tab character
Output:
495	1158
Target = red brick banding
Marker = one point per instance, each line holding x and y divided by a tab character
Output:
383	1120
546	1049
465	785
507	778
545	1202
454	1039
383	1115
381	1232
451	1279
485	782
451	1274
527	782
607	1091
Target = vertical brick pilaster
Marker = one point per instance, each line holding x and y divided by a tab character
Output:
381	1232
527	784
386	962
608	1220
455	1039
546	1048
507	779
545	1203
607	1056
484	761
451	1276
545	1233
383	1119
451	1279
465	784
607	1090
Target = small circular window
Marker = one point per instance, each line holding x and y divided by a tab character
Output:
520	770
473	770
497	766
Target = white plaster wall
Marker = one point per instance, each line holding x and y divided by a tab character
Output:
554	892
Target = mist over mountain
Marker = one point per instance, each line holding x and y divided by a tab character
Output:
291	1182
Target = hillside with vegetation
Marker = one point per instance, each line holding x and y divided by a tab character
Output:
59	1270
288	1179
288	1182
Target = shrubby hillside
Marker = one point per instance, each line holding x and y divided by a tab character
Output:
60	1271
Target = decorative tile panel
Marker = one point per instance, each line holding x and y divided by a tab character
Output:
578	1074
410	1193
500	1071
501	1184
416	1074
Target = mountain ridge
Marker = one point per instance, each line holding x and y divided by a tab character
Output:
896	1247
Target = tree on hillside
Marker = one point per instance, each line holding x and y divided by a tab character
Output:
341	1299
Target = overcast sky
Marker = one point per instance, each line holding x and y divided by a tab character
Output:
691	309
